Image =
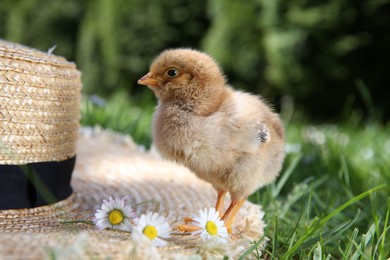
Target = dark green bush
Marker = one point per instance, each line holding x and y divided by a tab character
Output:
315	51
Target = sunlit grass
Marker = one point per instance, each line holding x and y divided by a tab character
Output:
331	200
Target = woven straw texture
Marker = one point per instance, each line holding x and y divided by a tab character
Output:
109	164
39	105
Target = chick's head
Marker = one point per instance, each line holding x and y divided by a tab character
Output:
183	74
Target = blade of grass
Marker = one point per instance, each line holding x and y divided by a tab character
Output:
361	253
367	99
337	230
317	224
348	251
294	231
385	229
299	191
350	202
317	252
286	175
292	240
344	170
384	252
275	238
250	250
363	245
374	213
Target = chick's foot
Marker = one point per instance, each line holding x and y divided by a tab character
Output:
231	212
187	220
187	228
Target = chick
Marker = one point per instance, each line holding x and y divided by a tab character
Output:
228	138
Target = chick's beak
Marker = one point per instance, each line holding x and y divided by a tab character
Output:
148	80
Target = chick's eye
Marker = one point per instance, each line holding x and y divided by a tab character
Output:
172	72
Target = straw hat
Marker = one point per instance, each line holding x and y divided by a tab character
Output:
39	102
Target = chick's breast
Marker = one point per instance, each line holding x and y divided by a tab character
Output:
195	141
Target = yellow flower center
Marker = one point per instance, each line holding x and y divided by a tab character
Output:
115	217
150	232
211	228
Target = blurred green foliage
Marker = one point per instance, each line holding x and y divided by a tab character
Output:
112	42
329	58
317	52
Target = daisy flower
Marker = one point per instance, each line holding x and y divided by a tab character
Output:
210	225
215	248
153	227
114	214
141	248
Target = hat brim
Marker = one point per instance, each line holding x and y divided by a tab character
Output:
110	164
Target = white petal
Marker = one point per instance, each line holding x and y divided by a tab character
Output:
203	215
125	226
151	217
204	235
159	242
101	214
164	232
106	207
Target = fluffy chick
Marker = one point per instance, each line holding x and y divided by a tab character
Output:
228	138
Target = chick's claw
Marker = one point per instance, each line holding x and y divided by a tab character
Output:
187	228
187	220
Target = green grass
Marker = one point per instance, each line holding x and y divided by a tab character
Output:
331	200
122	114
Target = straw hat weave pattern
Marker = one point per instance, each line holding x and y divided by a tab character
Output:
39	105
110	164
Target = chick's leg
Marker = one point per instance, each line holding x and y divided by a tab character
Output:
231	212
219	205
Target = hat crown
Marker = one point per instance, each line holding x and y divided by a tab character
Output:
39	105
